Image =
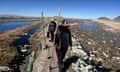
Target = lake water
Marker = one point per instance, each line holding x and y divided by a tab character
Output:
19	43
12	25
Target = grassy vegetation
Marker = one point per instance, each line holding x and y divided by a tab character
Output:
7	52
34	38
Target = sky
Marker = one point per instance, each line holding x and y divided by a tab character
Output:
69	8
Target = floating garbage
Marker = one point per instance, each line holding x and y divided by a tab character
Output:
81	66
24	50
111	41
119	48
73	39
4	69
89	43
105	54
87	61
17	37
25	33
26	46
82	35
79	46
80	53
104	41
118	58
115	38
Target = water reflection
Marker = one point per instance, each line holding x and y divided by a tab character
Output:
96	30
12	25
19	43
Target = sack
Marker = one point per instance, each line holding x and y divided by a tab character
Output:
51	26
64	39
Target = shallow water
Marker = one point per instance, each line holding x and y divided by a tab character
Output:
19	43
96	30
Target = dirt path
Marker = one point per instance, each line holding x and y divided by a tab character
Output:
46	60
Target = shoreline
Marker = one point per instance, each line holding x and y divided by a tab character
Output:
17	20
113	26
7	38
91	44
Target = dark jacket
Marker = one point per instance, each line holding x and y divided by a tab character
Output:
57	36
52	26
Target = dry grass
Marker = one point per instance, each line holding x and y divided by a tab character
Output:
34	38
7	53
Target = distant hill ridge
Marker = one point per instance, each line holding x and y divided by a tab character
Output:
103	18
15	16
8	15
117	18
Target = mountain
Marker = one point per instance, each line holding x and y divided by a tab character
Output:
12	16
117	18
103	18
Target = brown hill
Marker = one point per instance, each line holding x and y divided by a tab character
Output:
117	19
103	18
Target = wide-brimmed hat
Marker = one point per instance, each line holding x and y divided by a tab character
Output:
66	25
52	19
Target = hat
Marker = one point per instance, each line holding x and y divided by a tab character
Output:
52	19
65	24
